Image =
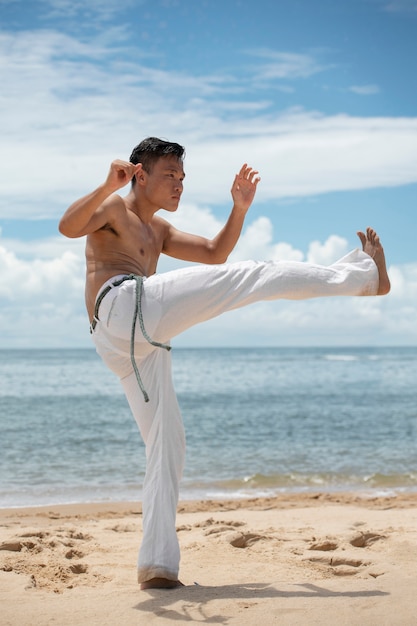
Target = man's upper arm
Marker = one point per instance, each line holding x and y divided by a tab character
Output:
103	215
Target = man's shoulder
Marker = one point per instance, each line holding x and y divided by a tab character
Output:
112	211
160	224
114	200
157	219
113	207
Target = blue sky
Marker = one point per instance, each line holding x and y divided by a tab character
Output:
320	96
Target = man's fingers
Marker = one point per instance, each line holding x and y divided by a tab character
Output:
249	174
121	172
125	169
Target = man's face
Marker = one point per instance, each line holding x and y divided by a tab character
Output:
164	183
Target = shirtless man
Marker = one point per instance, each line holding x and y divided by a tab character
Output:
125	238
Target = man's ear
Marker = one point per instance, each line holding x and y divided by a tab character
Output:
141	177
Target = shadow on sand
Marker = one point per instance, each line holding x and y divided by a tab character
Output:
196	597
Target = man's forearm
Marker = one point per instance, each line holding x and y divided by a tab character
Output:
76	218
243	192
225	241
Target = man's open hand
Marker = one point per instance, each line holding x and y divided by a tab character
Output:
244	187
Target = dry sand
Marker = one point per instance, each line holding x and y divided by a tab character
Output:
328	559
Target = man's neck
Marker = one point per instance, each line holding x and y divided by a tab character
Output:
144	210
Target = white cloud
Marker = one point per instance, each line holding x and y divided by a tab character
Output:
42	297
196	219
365	90
32	280
256	242
288	65
44	249
301	154
72	106
324	254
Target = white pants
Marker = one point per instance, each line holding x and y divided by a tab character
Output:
171	303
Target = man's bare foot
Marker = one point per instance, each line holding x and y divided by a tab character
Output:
372	246
161	583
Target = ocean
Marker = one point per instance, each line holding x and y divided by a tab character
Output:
258	422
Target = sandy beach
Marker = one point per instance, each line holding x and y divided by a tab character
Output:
294	559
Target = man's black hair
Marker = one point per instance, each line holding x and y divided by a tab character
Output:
151	149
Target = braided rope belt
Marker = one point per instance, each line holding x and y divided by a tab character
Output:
137	315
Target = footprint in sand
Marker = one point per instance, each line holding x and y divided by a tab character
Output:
74	554
345	563
50	561
11	546
40	534
75	534
243	540
28	540
364	539
216	527
79	568
326	545
211	522
19	546
123	528
237	539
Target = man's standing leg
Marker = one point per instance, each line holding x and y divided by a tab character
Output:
161	427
